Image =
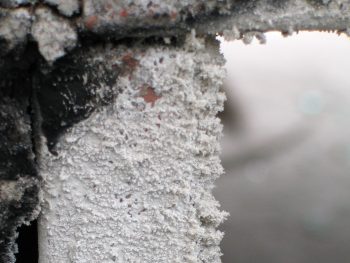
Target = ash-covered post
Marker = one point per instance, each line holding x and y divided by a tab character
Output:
108	121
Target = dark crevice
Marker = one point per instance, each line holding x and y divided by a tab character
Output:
32	112
15	143
17	154
27	243
27	240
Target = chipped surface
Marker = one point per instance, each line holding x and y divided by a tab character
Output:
133	182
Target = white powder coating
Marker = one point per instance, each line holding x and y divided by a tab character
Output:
133	182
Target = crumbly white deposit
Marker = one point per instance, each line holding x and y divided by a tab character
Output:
65	7
9	191
54	34
133	182
14	28
14	190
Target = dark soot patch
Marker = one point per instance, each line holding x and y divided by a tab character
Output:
71	91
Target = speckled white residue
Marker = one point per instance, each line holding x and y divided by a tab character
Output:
133	182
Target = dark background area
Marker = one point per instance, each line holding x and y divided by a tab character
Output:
27	242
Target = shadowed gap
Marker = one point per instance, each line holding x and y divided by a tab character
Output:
27	242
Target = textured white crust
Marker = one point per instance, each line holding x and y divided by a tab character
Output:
118	19
54	34
133	182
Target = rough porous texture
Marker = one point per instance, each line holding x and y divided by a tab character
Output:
132	183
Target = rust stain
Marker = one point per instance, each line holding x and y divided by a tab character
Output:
149	95
90	22
130	61
123	13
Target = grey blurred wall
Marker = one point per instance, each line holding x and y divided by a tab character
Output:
286	150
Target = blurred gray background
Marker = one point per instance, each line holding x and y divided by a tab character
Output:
286	150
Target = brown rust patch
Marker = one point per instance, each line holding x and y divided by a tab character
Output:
129	61
123	13
149	95
90	22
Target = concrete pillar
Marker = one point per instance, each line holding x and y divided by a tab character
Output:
133	182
